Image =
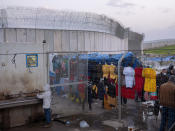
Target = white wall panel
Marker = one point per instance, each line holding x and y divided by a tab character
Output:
73	41
65	41
96	41
39	36
108	42
92	41
11	35
100	42
49	37
87	41
21	35
1	35
31	35
81	41
104	42
57	41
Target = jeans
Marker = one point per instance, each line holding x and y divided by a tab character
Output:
163	118
47	115
168	114
171	117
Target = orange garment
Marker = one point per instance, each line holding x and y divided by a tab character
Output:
112	69
106	70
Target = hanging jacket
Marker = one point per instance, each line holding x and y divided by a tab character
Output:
46	96
99	71
112	69
150	79
101	90
111	90
129	76
94	92
90	92
139	80
105	69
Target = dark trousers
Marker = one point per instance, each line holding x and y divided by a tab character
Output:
47	115
168	114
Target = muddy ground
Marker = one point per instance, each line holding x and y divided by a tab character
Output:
135	115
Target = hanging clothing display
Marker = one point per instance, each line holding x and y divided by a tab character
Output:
112	69
106	70
153	96
94	91
150	79
92	70
99	71
90	94
139	80
101	90
146	96
111	90
129	76
126	92
81	89
109	102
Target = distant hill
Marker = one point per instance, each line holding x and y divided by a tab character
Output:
166	50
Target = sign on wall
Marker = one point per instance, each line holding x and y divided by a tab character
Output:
31	60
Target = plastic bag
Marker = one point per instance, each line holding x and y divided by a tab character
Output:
84	124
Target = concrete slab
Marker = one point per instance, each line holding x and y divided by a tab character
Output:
113	123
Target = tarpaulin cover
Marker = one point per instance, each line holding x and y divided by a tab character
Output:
159	59
114	58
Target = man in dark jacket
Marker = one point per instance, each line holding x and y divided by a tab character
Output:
170	70
166	99
161	79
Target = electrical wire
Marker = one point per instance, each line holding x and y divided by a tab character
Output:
84	52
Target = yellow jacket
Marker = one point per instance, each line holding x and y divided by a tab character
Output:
106	70
150	79
112	69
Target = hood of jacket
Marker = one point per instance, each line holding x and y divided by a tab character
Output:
47	87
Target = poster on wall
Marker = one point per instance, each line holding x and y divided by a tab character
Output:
31	60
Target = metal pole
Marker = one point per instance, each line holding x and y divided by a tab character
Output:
119	87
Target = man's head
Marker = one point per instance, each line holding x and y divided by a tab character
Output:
171	66
164	71
172	79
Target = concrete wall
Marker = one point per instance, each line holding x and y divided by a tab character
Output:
134	42
158	43
15	77
26	80
65	40
87	41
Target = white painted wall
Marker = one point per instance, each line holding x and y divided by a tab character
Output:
31	41
17	77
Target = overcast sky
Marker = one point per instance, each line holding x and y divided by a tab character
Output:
154	18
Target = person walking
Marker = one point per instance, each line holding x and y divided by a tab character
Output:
167	100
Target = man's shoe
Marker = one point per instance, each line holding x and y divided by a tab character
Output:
47	125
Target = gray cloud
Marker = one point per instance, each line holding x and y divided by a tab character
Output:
120	3
125	13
